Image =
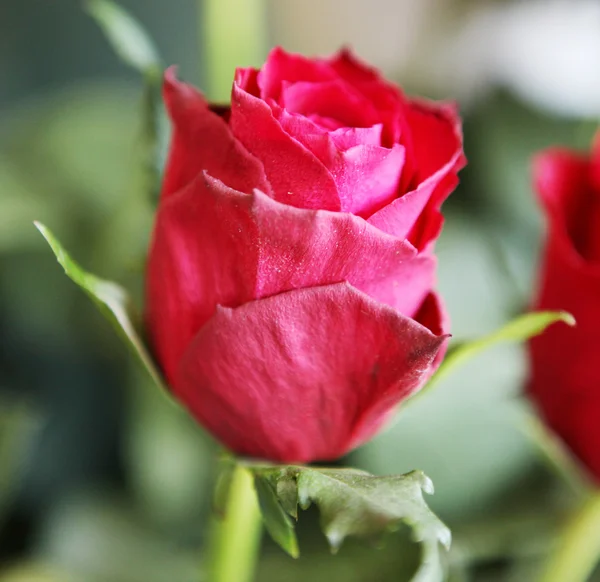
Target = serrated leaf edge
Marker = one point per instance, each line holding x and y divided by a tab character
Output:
430	569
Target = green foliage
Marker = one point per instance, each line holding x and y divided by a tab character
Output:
278	523
518	330
127	37
112	301
135	48
16	420
351	503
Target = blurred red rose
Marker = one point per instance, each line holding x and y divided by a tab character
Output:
565	377
289	285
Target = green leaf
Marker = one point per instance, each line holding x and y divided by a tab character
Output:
135	47
518	330
351	503
112	301
278	523
127	37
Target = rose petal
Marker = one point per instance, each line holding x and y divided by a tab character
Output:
347	137
325	144
213	245
247	80
595	161
437	146
429	225
203	141
355	71
367	177
313	137
289	378
388	99
281	67
416	214
564	374
563	182
296	176
400	216
334	100
432	315
325	123
564	377
436	136
194	263
431	133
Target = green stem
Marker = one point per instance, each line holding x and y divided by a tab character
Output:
579	547
235	537
233	34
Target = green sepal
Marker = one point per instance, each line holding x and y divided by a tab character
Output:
351	503
277	520
518	330
112	301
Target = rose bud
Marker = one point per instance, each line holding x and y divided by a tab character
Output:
565	378
289	282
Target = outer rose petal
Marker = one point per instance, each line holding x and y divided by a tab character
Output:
354	70
387	98
563	182
297	177
564	370
289	378
400	217
213	245
406	287
434	317
436	136
437	146
194	263
282	67
202	141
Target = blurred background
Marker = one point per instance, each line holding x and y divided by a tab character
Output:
100	480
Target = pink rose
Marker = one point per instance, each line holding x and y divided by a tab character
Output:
289	285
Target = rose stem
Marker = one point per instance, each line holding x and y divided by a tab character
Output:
233	33
579	546
235	537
